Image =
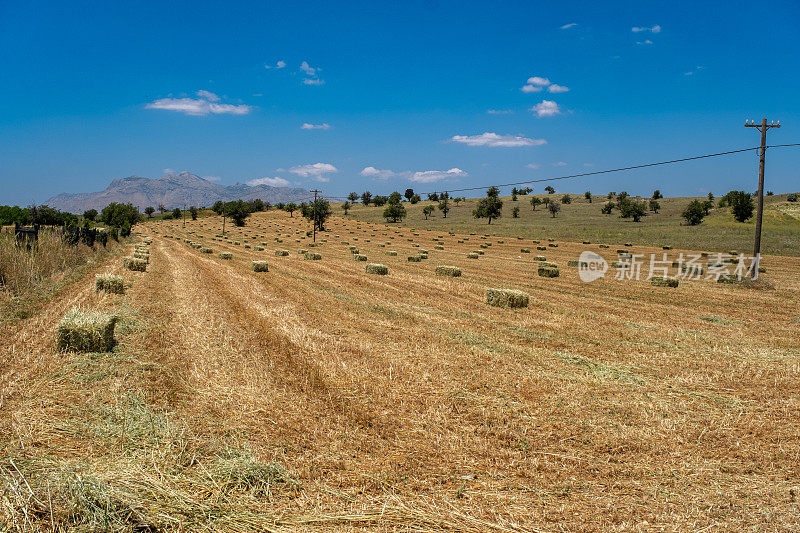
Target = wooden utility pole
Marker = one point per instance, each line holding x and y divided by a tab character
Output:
184	215
315	191
763	127
223	221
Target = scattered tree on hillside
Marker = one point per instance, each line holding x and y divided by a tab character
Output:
549	189
379	201
611	195
489	207
193	212
535	200
607	208
237	211
366	197
427	211
415	199
657	195
395	198
588	196
694	212
90	214
515	212
317	212
554	208
353	197
394	212
218	207
346	207
433	197
161	208
409	194
290	208
177	213
791	197
566	199
444	204
741	205
654	205
149	210
632	209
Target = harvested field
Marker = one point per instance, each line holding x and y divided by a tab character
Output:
319	398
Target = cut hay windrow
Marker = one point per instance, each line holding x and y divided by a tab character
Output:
312	256
377	268
260	266
134	264
225	255
82	330
506	298
446	270
109	283
664	281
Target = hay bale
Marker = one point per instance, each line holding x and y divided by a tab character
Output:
604	246
377	268
206	251
109	283
666	247
548	271
258	248
414	258
260	266
693	270
82	330
539	258
541	248
553	245
134	264
444	270
281	253
312	256
302	251
438	247
472	255
359	257
225	255
506	298
664	281
391	253
525	250
728	278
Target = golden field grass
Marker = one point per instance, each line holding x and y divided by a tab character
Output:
315	397
581	220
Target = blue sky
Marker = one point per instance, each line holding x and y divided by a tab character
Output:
430	95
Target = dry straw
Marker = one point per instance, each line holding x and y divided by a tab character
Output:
664	281
312	256
260	266
506	298
109	283
281	253
132	263
548	271
225	255
376	268
83	330
445	270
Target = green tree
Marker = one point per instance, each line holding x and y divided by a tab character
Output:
549	189
193	212
427	211
489	207
632	209
588	196
379	201
741	205
115	214
515	212
291	207
366	197
433	196
657	195
395	198
237	211
318	212
90	214
554	208
415	199
394	212
218	207
346	207
149	210
161	208
444	205
409	194
353	197
694	212
177	213
654	205
607	208
535	200
566	199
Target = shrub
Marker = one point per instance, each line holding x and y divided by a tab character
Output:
694	213
312	256
566	199
132	263
281	253
376	268
664	281
443	270
791	197
548	271
86	331
260	266
109	283
506	298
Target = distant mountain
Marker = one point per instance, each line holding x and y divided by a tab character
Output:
172	190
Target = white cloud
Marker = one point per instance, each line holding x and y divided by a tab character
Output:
313	81
546	108
308	69
272	182
646	41
430	176
559	164
556	88
691	72
651	29
212	178
500	112
279	64
169	171
316	171
568	26
422	176
495	140
323	126
533	165
206	104
535	84
211	97
372	172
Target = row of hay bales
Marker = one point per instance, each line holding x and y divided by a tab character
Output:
91	330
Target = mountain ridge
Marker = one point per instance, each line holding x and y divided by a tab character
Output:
172	190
